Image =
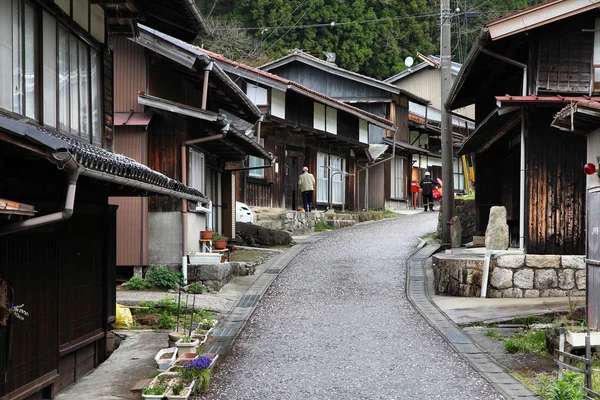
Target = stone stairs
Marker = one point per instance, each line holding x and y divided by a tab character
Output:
341	220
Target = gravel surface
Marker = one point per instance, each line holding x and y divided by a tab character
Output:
336	324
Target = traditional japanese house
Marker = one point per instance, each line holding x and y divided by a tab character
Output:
386	178
57	171
190	121
521	71
424	80
303	128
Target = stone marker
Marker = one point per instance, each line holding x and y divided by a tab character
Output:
456	232
496	233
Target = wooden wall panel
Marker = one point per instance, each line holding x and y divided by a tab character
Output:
132	214
556	188
129	66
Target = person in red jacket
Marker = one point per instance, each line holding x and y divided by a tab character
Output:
427	185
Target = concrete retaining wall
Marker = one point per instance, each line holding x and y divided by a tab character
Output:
511	275
294	222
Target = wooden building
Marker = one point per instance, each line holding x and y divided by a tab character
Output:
303	128
178	113
387	180
57	257
521	71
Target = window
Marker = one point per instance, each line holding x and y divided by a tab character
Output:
398	184
337	164
70	98
257	95
322	177
459	180
363	129
18	46
196	170
257	162
324	118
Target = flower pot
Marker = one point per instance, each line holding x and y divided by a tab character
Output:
165	357
201	336
206	235
190	347
220	244
156	382
213	357
183	395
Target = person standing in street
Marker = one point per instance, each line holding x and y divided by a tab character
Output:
427	188
306	182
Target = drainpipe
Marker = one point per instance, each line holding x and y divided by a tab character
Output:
207	70
66	161
523	127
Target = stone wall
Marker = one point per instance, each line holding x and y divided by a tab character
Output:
510	275
294	222
214	276
465	210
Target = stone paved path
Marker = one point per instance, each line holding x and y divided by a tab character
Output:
336	324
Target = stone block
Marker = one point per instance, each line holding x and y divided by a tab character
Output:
474	263
212	272
473	277
553	293
478	241
501	278
456	232
214	286
542	261
545	279
531	293
523	279
573	262
496	233
512	293
493	293
580	280
566	278
577	293
510	261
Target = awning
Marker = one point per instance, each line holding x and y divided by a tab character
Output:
132	119
234	146
581	117
492	128
408	148
533	100
96	162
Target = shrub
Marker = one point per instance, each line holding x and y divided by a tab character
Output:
137	283
530	342
570	387
196	288
165	321
163	278
321	226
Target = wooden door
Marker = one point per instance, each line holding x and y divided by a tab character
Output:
291	171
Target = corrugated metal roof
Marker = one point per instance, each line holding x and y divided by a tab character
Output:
433	115
455	68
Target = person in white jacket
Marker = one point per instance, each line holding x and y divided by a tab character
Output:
306	183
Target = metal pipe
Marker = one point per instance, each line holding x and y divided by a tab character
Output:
204	139
73	170
207	70
258	126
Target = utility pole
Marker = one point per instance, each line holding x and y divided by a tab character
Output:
447	148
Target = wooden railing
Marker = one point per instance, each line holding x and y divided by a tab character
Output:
587	361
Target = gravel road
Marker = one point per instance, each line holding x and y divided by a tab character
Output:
336	324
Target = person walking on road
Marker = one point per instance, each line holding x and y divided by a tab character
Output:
427	187
306	182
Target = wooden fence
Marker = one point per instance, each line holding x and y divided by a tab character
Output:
587	361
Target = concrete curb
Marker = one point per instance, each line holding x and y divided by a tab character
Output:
232	325
417	293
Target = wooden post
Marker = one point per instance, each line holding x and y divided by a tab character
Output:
561	348
588	364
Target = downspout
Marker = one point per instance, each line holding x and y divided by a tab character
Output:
66	161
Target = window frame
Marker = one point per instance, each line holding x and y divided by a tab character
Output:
395	180
192	153
257	162
458	174
322	177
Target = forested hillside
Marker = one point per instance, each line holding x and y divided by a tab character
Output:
372	37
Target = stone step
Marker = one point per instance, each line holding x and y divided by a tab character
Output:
342	217
337	223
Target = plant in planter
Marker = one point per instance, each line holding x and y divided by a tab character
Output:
165	357
207	324
187	345
198	370
219	241
156	392
206	235
180	390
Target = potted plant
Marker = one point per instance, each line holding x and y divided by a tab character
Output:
187	345
180	390
219	241
206	235
198	370
165	357
158	386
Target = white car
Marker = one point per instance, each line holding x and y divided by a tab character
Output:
243	213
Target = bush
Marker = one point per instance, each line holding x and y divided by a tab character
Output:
530	342
321	226
137	283
163	278
196	288
570	387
